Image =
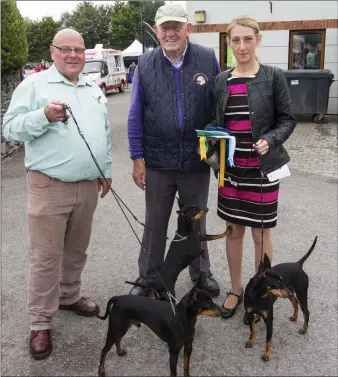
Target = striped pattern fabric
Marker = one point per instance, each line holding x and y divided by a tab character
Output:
245	194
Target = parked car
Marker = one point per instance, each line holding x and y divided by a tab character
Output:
29	66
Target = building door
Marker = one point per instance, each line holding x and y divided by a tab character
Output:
226	60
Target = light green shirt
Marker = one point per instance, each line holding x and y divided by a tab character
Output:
56	149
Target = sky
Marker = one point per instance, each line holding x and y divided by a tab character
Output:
35	10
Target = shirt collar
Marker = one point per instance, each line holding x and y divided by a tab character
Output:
54	75
181	58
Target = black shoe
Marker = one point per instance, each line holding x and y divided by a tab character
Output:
209	284
228	313
139	291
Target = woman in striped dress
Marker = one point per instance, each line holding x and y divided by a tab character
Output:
253	102
244	180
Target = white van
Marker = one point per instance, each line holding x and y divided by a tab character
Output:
105	66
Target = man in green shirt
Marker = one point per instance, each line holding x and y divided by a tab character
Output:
62	180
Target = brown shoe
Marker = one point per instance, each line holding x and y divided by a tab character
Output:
40	344
82	307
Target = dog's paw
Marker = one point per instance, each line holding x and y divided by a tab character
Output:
293	318
303	331
249	344
122	353
266	357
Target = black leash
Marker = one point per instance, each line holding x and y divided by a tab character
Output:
119	201
116	196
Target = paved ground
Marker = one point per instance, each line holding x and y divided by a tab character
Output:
313	148
308	207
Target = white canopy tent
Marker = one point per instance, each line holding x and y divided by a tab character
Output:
135	49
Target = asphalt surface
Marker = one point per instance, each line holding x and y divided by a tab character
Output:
307	207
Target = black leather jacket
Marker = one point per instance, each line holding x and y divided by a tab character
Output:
270	109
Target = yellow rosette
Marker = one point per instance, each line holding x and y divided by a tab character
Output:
222	163
203	150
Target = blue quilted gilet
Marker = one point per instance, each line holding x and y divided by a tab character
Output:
166	145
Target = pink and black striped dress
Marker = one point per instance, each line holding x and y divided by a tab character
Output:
240	200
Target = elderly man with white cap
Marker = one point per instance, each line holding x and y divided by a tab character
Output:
171	98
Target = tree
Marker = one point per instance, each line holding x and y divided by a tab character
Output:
33	47
46	32
149	11
114	26
126	22
65	21
104	26
14	49
91	21
40	35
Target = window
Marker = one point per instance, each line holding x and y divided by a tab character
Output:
117	62
223	51
92	67
111	62
226	57
307	49
104	69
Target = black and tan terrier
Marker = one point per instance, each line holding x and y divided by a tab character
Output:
286	280
177	328
184	248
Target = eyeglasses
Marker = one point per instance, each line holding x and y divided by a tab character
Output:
68	50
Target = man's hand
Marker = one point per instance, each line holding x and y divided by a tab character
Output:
261	147
139	173
104	186
54	111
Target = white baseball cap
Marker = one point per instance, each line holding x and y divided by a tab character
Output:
170	12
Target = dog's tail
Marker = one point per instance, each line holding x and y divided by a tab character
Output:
109	304
149	284
137	284
211	237
158	292
305	257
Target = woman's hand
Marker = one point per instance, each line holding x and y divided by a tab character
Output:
261	147
212	140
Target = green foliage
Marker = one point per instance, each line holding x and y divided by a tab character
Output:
13	37
126	22
114	26
91	21
149	12
40	35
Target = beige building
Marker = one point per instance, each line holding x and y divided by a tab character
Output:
296	34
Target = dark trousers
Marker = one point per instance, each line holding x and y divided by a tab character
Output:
161	188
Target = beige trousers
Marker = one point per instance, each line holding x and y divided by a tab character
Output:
59	225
